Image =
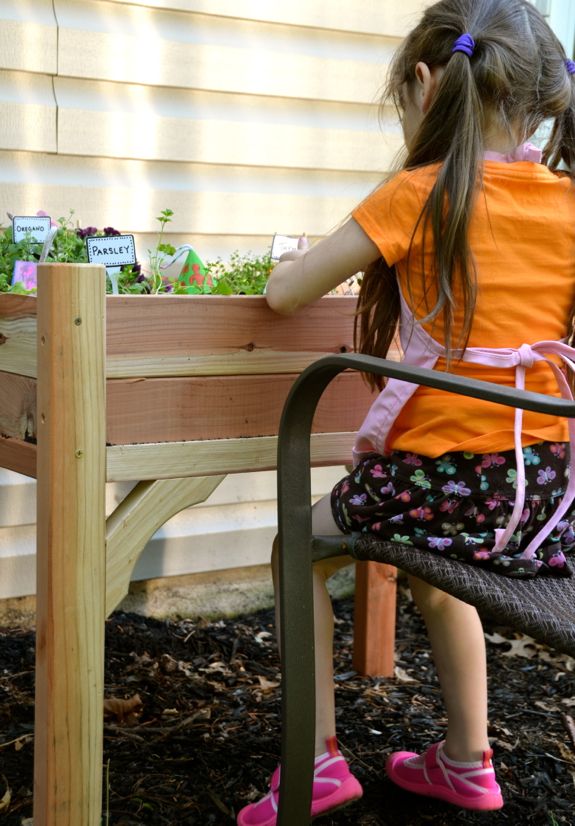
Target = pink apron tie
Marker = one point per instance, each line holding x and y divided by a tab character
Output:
421	350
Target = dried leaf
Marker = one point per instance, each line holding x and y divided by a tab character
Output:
569	724
502	744
552	707
565	752
496	639
125	711
7	797
402	675
564	660
267	685
19	742
521	647
169	664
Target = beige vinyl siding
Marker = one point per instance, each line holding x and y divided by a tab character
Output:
244	117
28	36
367	16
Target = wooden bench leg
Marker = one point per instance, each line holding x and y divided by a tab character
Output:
374	634
71	547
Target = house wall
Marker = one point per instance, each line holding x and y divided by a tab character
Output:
245	117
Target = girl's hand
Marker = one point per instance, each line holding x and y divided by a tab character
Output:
291	255
303	276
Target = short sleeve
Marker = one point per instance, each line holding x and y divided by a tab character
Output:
389	215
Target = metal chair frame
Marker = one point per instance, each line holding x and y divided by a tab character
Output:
298	548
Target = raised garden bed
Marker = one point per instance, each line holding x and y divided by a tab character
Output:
183	389
184	368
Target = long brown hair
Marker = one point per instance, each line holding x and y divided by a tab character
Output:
516	78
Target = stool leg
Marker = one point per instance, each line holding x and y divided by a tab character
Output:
375	603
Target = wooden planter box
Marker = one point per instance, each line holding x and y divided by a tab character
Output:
173	392
188	368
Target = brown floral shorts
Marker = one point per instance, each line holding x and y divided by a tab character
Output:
453	504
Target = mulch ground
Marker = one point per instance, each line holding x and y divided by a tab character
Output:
206	736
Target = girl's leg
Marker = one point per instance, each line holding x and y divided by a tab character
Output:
458	646
334	785
322	524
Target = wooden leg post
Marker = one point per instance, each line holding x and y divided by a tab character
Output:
71	546
375	601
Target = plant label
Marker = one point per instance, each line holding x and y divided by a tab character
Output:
281	244
111	250
34	227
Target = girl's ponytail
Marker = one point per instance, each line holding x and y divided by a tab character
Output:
561	145
452	129
378	308
450	134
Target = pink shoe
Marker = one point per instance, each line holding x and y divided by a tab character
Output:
469	785
334	786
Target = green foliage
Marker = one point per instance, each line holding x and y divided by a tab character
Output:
161	249
68	247
243	274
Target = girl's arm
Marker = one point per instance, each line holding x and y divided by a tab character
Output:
301	278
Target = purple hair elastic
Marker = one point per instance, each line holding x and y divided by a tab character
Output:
570	66
464	43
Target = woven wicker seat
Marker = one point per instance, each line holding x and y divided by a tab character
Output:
543	607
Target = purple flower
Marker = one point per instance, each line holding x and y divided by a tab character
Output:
83	233
110	231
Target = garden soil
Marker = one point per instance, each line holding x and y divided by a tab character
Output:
192	723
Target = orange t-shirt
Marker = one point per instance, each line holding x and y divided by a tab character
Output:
522	237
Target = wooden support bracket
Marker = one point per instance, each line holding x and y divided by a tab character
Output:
145	509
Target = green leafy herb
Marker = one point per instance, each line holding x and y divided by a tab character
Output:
243	274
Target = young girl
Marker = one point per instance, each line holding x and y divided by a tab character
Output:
471	247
